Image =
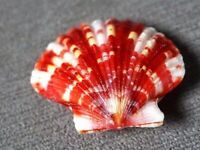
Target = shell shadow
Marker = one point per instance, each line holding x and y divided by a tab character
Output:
170	104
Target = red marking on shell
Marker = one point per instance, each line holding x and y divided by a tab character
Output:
111	74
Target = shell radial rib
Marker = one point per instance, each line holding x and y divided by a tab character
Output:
110	74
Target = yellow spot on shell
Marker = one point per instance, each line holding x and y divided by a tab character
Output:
144	68
89	35
92	41
73	47
154	76
110	30
80	101
51	68
132	35
99	60
145	52
76	50
89	69
65	41
111	53
79	78
149	72
77	53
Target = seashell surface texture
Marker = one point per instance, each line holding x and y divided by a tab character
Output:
110	74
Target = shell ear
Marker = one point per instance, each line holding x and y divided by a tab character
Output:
148	116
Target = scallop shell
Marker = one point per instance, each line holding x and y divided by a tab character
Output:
110	74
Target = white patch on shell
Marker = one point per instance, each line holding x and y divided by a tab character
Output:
82	123
172	65
148	115
55	47
112	105
157	83
97	26
51	69
159	86
57	61
68	90
71	59
81	98
40	77
143	38
149	46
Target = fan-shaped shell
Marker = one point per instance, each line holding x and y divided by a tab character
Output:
110	74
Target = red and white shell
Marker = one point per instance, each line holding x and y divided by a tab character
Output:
110	74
